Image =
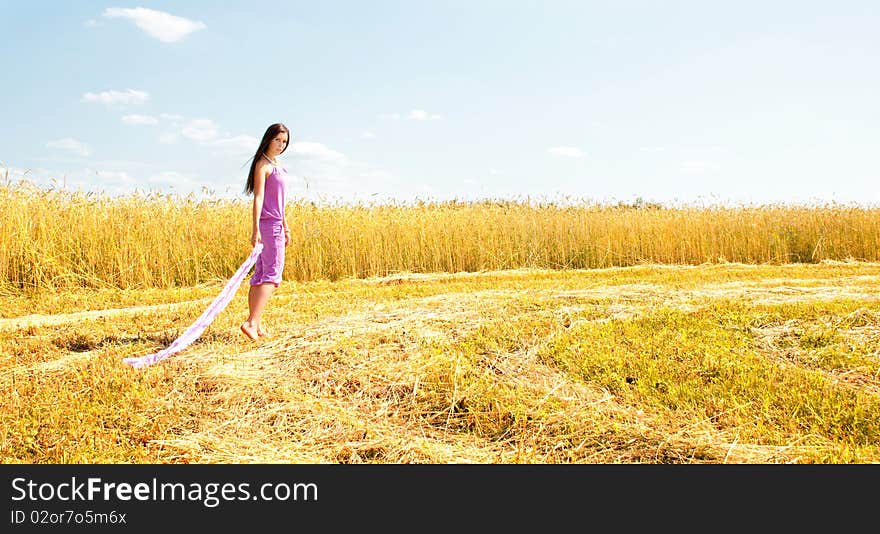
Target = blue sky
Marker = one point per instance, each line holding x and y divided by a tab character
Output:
669	101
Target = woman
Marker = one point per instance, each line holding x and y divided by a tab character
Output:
267	182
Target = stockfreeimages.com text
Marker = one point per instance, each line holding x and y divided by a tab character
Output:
210	494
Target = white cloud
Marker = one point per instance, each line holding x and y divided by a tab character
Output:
172	178
16	173
422	115
166	27
696	166
68	143
206	132
84	179
392	116
116	176
317	151
495	172
112	98
91	23
377	175
238	144
566	151
139	119
201	130
368	135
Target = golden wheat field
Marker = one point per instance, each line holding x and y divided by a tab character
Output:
450	332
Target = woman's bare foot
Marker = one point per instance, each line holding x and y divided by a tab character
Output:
249	331
262	332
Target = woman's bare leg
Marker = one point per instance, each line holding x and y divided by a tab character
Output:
258	296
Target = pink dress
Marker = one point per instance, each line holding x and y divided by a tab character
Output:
270	263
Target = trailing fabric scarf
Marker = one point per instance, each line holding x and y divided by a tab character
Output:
195	330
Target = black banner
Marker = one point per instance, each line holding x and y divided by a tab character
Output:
170	498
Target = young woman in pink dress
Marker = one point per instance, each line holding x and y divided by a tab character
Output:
267	182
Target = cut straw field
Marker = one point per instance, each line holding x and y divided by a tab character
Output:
715	364
441	333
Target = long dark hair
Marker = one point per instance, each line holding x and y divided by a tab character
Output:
270	134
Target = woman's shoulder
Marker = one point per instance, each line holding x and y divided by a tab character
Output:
264	167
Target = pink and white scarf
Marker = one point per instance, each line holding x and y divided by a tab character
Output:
195	330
